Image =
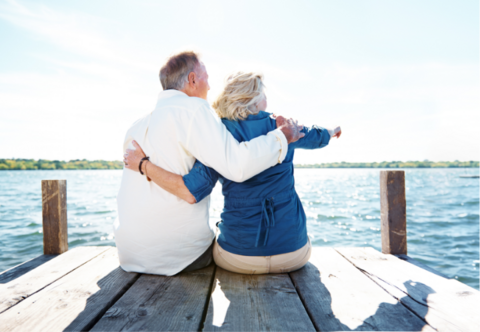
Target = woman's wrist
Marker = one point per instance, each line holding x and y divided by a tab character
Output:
144	166
145	170
334	131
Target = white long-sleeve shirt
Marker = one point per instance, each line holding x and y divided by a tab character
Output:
157	232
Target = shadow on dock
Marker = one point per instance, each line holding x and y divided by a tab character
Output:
262	302
19	270
329	293
387	311
110	289
230	305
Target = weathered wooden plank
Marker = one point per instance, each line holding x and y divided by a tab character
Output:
54	213
21	288
255	303
159	303
421	265
19	270
339	297
393	212
75	302
445	304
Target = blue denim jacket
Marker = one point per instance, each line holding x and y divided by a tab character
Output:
262	216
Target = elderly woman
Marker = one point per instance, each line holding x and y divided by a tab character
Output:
263	227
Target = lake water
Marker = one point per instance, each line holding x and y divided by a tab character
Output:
342	206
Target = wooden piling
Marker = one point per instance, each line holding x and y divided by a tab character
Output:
54	213
393	212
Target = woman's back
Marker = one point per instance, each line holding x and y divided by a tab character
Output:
262	216
276	179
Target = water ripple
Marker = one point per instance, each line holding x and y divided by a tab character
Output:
342	208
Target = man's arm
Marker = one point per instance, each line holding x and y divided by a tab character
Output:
171	182
210	142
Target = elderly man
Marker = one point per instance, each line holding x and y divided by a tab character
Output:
155	231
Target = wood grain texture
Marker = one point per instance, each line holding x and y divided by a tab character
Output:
54	214
255	303
339	297
21	288
75	302
421	265
445	304
393	212
160	303
19	270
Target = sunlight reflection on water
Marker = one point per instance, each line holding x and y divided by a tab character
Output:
342	208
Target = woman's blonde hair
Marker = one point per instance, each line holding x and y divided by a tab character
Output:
239	98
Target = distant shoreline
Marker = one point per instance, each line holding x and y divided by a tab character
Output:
396	164
43	164
77	164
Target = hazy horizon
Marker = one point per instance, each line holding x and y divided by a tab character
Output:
401	78
341	161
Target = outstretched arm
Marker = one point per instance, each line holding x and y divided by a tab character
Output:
171	182
316	137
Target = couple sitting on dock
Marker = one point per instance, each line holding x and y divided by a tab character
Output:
163	204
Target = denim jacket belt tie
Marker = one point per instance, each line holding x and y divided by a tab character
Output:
267	208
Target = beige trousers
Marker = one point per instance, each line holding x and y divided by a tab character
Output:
262	264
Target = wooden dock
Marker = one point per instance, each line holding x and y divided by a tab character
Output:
340	289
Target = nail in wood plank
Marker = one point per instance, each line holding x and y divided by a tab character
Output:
54	212
393	212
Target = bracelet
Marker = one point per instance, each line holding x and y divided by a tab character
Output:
141	162
146	173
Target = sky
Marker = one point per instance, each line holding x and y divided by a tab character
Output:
400	77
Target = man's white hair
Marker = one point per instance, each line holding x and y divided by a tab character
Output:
174	73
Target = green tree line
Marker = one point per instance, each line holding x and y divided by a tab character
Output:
31	164
396	164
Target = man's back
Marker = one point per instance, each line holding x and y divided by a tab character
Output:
156	232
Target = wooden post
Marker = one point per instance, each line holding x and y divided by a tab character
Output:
54	212
393	212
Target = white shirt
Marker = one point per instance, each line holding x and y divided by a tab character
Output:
157	232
